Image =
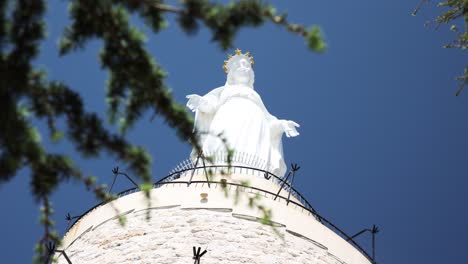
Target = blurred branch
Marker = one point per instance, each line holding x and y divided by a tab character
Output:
457	9
313	36
463	82
419	6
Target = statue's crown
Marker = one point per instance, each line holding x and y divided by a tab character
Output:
238	52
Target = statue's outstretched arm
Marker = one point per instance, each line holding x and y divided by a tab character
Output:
278	127
193	101
289	128
285	126
206	104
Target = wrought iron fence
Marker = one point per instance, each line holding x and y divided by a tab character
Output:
189	168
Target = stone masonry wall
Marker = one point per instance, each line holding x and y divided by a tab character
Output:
170	233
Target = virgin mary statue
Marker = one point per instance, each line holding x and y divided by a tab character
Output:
234	116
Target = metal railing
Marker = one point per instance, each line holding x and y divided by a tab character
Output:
187	168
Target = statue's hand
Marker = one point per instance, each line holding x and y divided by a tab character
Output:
289	127
204	104
193	101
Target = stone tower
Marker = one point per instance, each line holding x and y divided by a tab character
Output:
187	210
239	208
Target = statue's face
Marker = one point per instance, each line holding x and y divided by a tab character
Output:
240	71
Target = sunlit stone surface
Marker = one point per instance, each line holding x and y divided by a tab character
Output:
184	216
170	233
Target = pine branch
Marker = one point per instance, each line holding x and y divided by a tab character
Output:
457	9
463	82
225	21
50	236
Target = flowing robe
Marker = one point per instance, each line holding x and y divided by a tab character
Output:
237	113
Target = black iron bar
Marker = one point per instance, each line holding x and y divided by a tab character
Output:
130	179
360	232
204	169
373	247
282	184
203	253
194	168
113	182
68	217
294	168
65	255
117	172
51	249
374	231
197	256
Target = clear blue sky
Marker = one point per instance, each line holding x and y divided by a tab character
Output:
383	138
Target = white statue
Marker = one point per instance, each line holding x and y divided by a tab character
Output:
237	112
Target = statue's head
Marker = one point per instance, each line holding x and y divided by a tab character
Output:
239	69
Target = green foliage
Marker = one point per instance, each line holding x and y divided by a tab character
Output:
457	9
49	236
146	186
315	40
454	10
122	220
223	21
135	85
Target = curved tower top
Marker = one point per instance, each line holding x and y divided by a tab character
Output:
188	210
